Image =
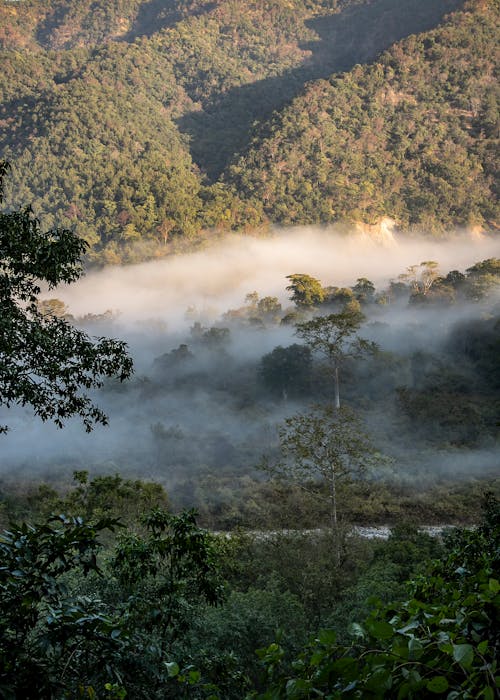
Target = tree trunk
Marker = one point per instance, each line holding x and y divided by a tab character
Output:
337	389
333	513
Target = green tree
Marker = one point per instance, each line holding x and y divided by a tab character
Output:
483	278
287	370
269	309
42	626
73	623
307	291
45	362
443	641
327	445
334	337
364	290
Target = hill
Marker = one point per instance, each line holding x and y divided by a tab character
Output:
413	136
140	123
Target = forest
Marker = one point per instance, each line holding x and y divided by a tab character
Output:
249	344
210	542
148	126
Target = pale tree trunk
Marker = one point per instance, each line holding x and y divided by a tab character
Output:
337	389
333	512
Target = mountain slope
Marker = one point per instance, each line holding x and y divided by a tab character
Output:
413	136
141	121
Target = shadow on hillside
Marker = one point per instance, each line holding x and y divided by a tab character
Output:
357	35
152	17
156	15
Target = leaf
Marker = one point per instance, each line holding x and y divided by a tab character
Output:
408	628
415	647
297	688
194	677
172	669
463	654
356	630
380	629
494	585
482	646
327	637
437	685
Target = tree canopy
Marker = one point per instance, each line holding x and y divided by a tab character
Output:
45	362
142	126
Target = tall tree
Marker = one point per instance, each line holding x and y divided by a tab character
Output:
334	336
306	290
45	362
325	446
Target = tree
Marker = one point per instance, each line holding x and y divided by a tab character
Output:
483	278
115	629
41	624
45	362
306	290
421	278
334	336
287	370
326	445
443	641
269	309
364	290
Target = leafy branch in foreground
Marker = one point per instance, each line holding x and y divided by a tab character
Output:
45	362
443	641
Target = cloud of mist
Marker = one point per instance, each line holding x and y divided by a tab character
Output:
209	413
218	278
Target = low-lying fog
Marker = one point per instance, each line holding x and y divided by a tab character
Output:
205	409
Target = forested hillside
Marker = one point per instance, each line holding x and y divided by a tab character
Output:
413	136
141	123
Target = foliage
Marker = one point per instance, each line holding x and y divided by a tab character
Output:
442	641
43	628
287	371
94	498
44	360
403	137
334	337
143	124
325	444
63	636
306	291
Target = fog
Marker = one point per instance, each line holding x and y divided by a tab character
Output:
205	410
218	278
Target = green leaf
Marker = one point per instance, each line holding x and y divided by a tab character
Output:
380	629
494	585
381	679
172	669
297	688
437	685
327	637
463	654
415	648
482	646
194	677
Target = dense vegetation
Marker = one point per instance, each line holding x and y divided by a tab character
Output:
142	123
165	609
419	370
146	126
412	137
107	593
